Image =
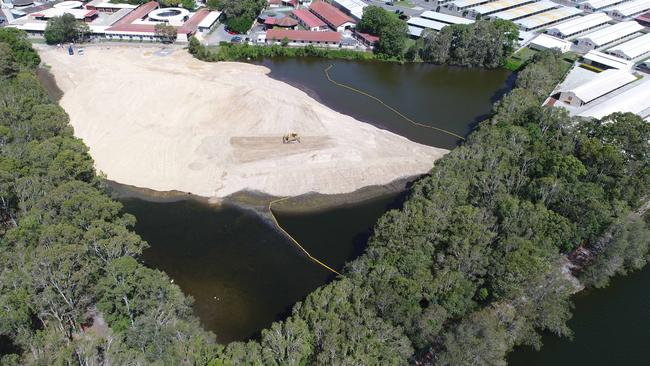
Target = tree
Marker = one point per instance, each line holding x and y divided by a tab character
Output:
165	33
65	28
374	19
8	64
391	30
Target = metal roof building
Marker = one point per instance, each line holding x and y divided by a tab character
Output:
460	5
609	34
548	17
497	6
634	100
353	8
416	25
579	25
628	9
603	83
633	48
445	18
596	5
544	41
525	10
606	61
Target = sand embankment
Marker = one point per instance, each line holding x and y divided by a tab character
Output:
175	123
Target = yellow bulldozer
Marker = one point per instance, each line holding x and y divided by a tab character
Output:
290	138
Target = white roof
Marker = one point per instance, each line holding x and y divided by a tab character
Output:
612	33
602	84
55	12
578	25
630	8
466	3
525	10
354	7
633	100
68	5
608	60
599	4
445	18
110	5
209	19
415	31
499	5
632	48
548	42
548	17
426	23
30	26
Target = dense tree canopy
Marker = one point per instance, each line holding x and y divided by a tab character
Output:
485	43
65	28
468	268
239	14
391	30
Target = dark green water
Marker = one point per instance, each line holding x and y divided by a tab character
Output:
452	98
242	273
611	327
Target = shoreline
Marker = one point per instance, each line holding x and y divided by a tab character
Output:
306	203
217	159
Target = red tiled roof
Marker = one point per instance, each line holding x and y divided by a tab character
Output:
269	21
329	13
124	24
303	35
368	37
286	22
308	18
192	24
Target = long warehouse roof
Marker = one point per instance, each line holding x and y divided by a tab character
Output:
467	3
600	4
630	8
610	34
498	5
445	18
354	7
577	25
525	10
633	100
547	17
426	23
601	84
632	48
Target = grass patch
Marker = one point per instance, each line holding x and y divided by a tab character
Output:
516	61
591	68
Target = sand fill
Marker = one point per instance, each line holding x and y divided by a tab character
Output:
212	129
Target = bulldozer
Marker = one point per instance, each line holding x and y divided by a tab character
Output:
290	138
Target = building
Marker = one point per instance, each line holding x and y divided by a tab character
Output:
605	61
332	16
603	83
303	37
579	25
308	20
634	48
525	10
209	21
634	100
417	25
366	39
353	8
628	9
607	35
461	6
544	41
79	14
547	18
104	6
495	7
593	6
444	18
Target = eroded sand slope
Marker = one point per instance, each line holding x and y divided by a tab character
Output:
212	129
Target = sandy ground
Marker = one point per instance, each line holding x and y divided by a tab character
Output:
212	129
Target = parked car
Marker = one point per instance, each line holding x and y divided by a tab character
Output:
236	39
